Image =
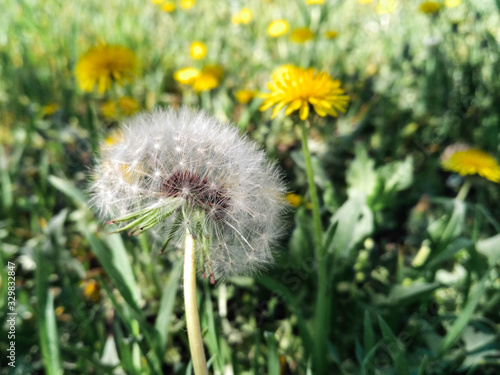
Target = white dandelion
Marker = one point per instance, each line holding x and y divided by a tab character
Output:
176	171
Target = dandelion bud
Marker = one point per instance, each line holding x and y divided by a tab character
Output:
177	171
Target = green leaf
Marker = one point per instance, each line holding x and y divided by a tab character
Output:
361	176
435	261
115	262
368	333
273	359
402	295
464	317
397	352
397	175
49	344
165	312
354	222
444	230
67	188
490	248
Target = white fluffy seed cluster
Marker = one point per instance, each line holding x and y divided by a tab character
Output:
189	164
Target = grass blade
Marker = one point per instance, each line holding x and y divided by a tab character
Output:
273	358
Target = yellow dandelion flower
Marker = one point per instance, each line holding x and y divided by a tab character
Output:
168	7
473	161
296	88
104	65
386	6
452	3
243	17
244	96
301	35
313	2
430	7
294	199
128	105
50	109
197	50
187	4
114	138
365	1
109	109
208	79
277	28
331	34
186	75
157	2
91	290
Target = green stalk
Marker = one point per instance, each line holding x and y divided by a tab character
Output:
322	326
464	190
191	306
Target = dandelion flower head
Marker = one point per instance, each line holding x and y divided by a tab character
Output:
197	50
277	28
430	7
386	6
452	3
177	171
244	16
168	7
301	35
245	96
471	161
296	88
104	65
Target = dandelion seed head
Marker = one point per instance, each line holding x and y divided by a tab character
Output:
186	170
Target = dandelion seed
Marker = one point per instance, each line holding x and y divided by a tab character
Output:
229	197
104	65
296	89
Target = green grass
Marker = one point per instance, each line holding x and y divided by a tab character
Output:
417	83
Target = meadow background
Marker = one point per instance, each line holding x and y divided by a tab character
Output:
413	281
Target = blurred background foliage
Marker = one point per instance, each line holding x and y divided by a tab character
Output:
414	271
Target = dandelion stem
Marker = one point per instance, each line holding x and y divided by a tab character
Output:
191	306
321	332
464	190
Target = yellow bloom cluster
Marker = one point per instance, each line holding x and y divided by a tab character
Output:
243	17
128	106
208	78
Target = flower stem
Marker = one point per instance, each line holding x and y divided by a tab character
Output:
191	306
321	328
464	190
